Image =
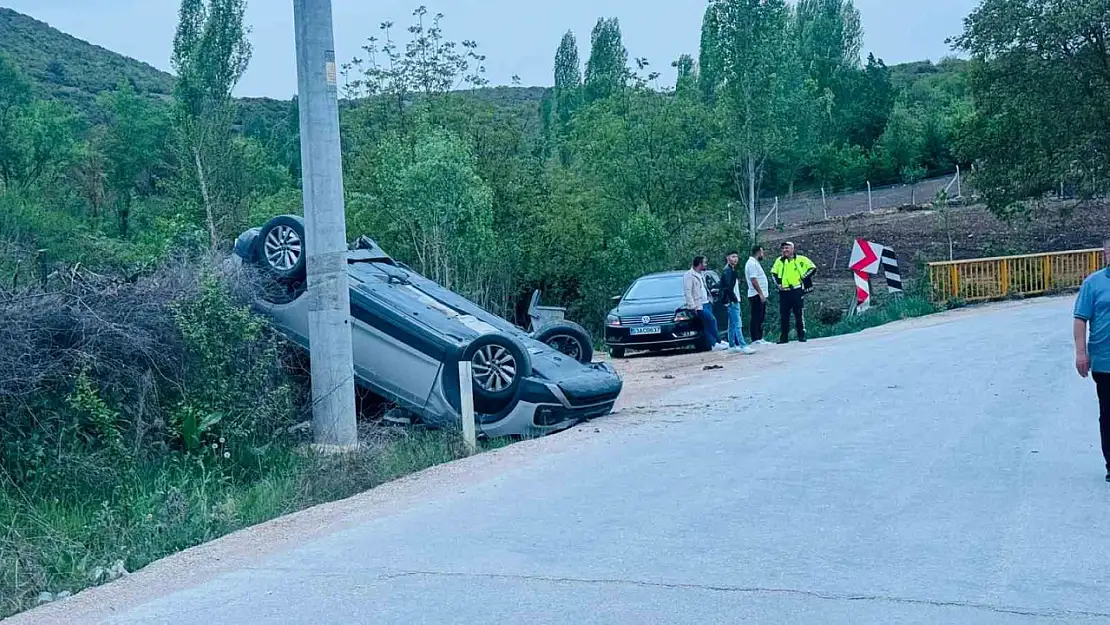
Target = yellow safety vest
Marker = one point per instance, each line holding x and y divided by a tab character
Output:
790	272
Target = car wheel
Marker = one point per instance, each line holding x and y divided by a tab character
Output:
281	248
568	338
499	365
616	352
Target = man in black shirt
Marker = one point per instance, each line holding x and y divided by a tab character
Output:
730	295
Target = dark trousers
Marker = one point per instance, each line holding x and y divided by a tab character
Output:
758	316
1102	383
791	303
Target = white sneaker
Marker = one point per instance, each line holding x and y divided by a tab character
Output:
720	347
748	351
760	342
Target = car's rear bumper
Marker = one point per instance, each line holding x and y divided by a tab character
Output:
534	420
547	407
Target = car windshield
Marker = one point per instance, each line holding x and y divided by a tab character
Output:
656	288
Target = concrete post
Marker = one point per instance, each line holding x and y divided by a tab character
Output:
466	402
329	324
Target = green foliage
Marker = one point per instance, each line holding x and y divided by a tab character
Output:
210	54
37	138
434	208
568	86
607	69
1041	87
830	36
132	147
70	70
97	424
763	103
228	358
902	146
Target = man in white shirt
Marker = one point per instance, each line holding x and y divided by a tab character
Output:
697	300
756	278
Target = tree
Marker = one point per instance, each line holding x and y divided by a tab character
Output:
568	87
39	140
865	103
433	207
15	95
829	35
759	89
210	54
710	58
568	69
607	69
1040	79
902	146
135	133
686	82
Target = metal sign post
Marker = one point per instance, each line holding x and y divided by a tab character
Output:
329	324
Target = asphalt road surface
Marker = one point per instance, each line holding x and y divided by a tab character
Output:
941	472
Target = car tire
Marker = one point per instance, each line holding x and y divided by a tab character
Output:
568	338
493	358
616	352
281	248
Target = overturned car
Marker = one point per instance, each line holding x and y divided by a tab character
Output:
409	334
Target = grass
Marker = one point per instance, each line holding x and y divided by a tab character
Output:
61	542
906	307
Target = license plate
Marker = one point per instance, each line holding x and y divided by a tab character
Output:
646	330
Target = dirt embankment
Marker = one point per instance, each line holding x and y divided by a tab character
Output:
923	236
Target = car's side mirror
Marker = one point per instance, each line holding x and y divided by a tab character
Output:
616	298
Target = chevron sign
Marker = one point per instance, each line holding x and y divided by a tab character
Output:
867	259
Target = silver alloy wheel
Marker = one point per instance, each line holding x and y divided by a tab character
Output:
494	368
566	345
283	248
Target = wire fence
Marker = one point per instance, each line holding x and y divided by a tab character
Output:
818	205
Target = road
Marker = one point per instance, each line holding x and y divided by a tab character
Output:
933	471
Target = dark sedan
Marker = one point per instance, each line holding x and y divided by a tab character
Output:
652	315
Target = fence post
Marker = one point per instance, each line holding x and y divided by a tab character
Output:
954	276
824	204
466	403
777	222
1004	278
959	183
870	205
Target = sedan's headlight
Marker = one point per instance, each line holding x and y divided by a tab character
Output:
683	315
613	321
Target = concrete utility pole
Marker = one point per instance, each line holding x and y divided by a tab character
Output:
329	324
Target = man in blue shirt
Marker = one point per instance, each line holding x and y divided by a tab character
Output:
1092	349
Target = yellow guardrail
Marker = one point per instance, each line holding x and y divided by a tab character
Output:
982	279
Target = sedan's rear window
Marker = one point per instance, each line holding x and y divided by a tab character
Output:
656	288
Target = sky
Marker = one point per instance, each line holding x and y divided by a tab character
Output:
519	37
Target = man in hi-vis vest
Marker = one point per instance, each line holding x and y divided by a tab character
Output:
793	274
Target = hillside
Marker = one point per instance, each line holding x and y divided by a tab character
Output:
69	69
